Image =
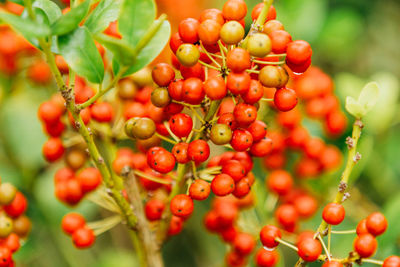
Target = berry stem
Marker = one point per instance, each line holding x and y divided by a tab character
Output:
208	54
208	65
166	139
253	71
268	62
102	91
176	189
283	242
197	115
267	99
344	232
324	247
259	22
377	262
352	159
147	239
170	132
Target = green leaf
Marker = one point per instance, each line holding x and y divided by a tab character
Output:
52	11
120	50
106	12
70	21
25	26
135	18
366	100
369	96
80	52
150	51
354	108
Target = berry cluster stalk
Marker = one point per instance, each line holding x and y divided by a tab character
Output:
352	158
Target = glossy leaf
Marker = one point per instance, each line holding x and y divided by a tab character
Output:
25	26
354	108
52	11
120	50
81	54
150	51
135	18
70	21
369	96
106	12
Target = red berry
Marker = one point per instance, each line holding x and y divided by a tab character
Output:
72	222
181	124
222	185
154	209
199	190
268	236
160	160
213	14
244	243
333	213
280	182
181	206
245	114
234	259
279	41
309	249
175	90
163	74
102	112
266	258
215	88
17	206
254	93
258	130
198	151
365	245
285	99
298	52
392	261
5	256
89	179
49	112
234	10
209	32
376	223
74	192
287	216
175	42
188	30
362	227
262	147
242	188
238	83
238	59
234	169
83	237
306	205
180	152
332	264
241	140
175	225
193	91
53	149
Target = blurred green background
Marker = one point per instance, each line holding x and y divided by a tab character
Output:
355	41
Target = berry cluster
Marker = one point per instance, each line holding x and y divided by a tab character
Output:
14	225
178	133
74	224
71	188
